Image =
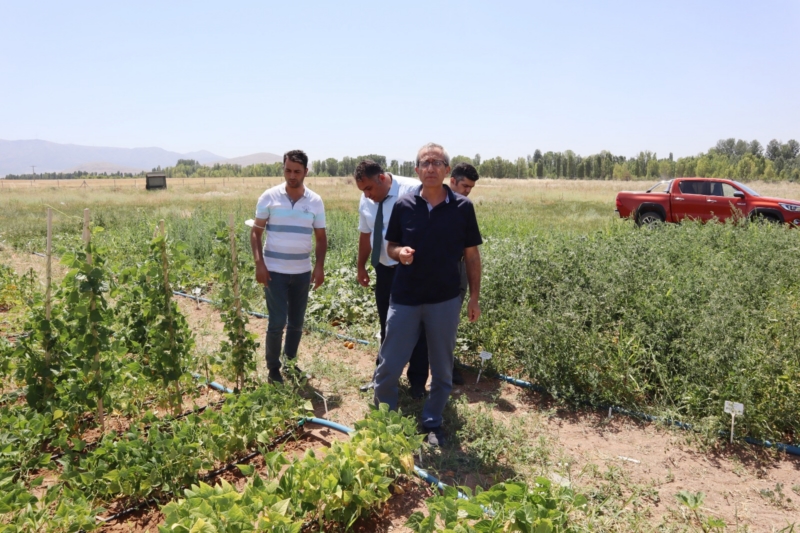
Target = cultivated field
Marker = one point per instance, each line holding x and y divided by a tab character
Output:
671	323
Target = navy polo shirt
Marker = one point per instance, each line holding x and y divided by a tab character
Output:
438	237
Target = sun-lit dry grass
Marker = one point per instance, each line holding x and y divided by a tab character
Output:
504	207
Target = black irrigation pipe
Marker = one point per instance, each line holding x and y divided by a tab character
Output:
788	448
262	315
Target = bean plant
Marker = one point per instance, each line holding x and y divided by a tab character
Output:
239	346
151	321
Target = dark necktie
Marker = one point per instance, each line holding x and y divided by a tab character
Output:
377	235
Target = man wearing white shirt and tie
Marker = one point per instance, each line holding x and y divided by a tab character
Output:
381	191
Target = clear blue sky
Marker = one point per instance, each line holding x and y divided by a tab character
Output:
349	78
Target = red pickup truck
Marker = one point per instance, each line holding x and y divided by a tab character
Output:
703	199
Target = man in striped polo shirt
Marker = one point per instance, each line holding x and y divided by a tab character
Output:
289	213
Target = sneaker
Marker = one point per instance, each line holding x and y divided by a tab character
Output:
274	376
458	377
366	387
418	392
435	437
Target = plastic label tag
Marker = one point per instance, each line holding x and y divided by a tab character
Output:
734	408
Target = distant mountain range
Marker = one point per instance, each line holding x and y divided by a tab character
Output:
252	159
17	157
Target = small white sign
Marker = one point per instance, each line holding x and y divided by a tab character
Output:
485	356
249	222
734	408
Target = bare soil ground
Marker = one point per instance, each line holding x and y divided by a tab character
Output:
642	464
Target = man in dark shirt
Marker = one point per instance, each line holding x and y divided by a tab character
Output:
428	233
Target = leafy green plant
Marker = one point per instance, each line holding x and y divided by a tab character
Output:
169	339
333	487
221	508
23	434
693	502
503	507
59	510
150	322
240	346
674	321
94	352
170	456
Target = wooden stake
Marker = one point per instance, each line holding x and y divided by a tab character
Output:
176	401
47	295
236	300
87	237
49	261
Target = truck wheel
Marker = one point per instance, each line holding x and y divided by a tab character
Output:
650	219
766	218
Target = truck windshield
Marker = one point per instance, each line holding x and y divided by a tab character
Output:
661	186
747	189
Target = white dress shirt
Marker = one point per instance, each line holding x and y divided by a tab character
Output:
368	210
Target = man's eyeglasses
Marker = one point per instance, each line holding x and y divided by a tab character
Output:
438	163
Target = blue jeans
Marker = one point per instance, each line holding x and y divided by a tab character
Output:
402	332
287	297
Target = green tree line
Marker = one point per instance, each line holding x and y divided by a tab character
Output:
729	158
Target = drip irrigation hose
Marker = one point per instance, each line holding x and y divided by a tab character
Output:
788	448
213	384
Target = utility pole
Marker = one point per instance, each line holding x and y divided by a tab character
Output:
33	167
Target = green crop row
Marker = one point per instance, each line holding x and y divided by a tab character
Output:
141	464
333	487
673	321
504	507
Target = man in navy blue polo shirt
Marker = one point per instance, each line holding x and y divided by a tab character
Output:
428	233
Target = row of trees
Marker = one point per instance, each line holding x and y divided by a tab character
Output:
729	158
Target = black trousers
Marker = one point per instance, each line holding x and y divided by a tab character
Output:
418	365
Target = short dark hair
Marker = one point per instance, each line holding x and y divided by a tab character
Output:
298	156
464	170
367	168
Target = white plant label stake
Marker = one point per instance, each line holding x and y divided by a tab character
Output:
197	291
485	356
734	408
324	400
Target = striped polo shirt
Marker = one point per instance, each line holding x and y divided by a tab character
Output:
289	228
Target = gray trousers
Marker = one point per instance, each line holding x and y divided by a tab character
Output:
402	331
